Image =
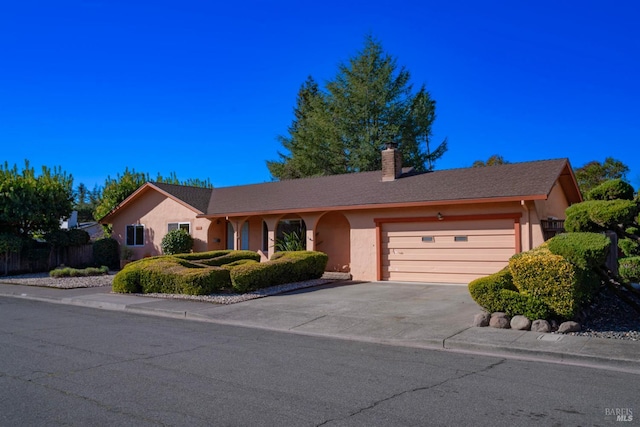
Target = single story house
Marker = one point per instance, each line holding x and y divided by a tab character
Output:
448	226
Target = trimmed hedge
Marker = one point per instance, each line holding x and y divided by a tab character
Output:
74	272
169	274
197	256
629	269
205	273
284	267
230	257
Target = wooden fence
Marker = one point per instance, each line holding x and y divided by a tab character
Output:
74	256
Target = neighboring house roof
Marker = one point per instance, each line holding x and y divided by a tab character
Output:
509	182
516	181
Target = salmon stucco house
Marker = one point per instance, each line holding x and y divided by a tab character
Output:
447	226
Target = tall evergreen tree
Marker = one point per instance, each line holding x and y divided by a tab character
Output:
368	104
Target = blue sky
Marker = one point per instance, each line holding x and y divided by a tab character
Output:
203	88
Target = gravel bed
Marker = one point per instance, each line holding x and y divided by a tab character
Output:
610	317
235	298
44	280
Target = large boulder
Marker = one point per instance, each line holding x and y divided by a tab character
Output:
521	323
540	325
499	320
566	327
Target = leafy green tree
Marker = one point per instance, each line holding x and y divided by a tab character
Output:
9	243
33	204
191	182
595	173
495	159
369	103
117	189
85	202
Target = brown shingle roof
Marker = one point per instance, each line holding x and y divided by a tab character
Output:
517	180
195	197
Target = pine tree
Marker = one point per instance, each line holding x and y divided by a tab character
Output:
343	129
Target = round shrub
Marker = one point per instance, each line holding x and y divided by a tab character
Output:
177	242
629	247
629	269
105	252
612	190
497	293
596	215
585	250
548	278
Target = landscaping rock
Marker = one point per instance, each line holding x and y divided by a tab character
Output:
481	319
499	320
521	323
570	326
540	325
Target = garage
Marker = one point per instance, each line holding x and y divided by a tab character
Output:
453	250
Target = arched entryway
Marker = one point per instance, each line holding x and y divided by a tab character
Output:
333	237
290	229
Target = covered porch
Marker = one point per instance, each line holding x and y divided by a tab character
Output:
328	232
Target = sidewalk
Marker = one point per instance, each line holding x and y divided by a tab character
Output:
414	315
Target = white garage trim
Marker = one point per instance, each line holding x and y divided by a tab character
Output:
449	249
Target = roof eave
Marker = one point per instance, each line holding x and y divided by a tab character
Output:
378	206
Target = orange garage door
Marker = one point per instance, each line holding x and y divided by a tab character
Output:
446	252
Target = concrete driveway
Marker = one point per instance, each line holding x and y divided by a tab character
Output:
380	311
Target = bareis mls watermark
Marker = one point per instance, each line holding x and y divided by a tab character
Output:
619	414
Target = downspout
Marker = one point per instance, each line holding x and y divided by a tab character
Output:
527	218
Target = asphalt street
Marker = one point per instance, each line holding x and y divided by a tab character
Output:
68	365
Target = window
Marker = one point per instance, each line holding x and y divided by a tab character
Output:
179	225
244	236
428	239
135	235
461	239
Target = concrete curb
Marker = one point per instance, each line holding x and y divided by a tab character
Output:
364	327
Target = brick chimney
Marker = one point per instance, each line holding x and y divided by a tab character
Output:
391	162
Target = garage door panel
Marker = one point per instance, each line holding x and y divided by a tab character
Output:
494	224
450	233
428	252
499	241
450	267
468	254
462	279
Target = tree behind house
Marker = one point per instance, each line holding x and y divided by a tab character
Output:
369	103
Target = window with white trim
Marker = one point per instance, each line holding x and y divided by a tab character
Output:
186	226
135	235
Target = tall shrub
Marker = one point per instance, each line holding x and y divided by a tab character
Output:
177	242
